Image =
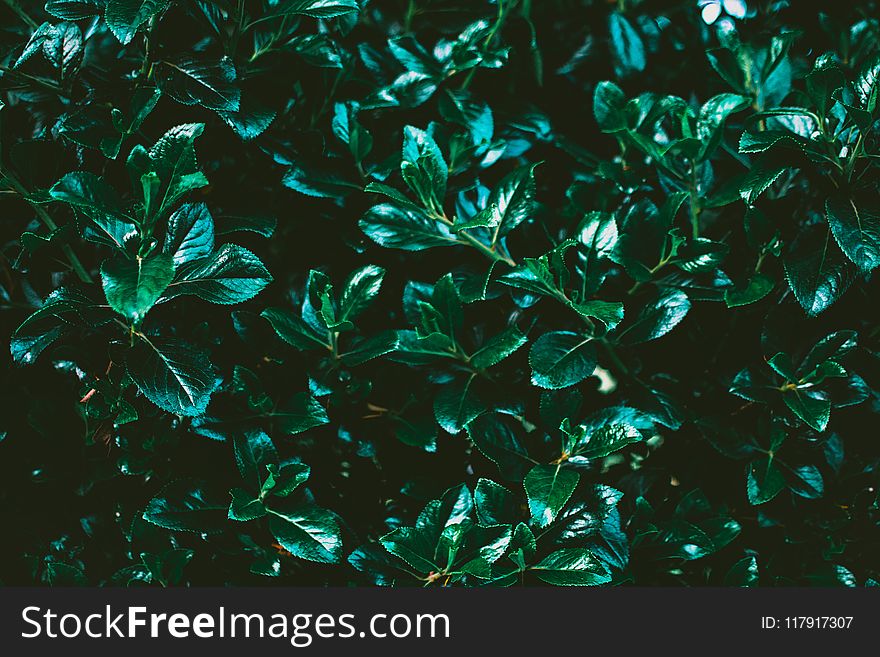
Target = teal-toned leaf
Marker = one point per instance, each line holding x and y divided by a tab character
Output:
812	410
806	481
283	480
755	289
133	286
548	488
561	358
498	443
124	17
817	271
359	291
497	348
743	573
185	505
175	376
62	311
294	330
300	413
98	201
190	234
423	168
605	440
209	83
245	506
572	567
513	199
365	349
307	531
856	227
167	568
231	274
456	404
412	546
320	181
608	107
74	10
253	451
495	504
173	159
657	318
315	8
626	45
396	227
764	481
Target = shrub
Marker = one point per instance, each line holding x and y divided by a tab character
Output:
435	292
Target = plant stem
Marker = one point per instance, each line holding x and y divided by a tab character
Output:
694	203
613	357
488	251
47	220
410	14
499	21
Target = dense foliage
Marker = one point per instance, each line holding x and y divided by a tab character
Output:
439	292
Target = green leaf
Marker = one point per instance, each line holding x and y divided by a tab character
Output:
763	173
98	201
423	168
300	413
315	8
253	451
561	358
856	227
743	573
513	199
764	481
133	286
74	10
608	313
185	505
294	330
359	291
284	480
816	270
365	349
548	488
124	17
626	45
62	311
167	567
806	481
396	227
175	376
318	180
755	289
657	318
413	546
192	81
599	443
190	234
245	506
572	567
457	404
495	504
306	531
63	48
812	410
608	107
173	159
498	443
497	348
231	274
